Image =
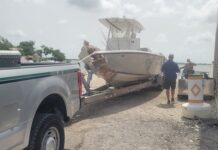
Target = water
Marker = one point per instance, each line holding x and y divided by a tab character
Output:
208	68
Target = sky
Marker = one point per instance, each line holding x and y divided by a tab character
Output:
184	28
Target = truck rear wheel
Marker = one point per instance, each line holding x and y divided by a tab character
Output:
47	133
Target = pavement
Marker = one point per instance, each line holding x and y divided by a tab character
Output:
139	121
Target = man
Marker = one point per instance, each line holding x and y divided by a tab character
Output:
188	68
169	69
86	60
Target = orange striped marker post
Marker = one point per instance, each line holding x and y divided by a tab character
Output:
195	108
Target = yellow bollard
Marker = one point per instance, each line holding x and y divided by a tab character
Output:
195	108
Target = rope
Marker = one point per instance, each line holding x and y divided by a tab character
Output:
81	60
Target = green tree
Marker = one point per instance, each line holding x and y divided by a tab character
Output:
5	44
58	55
39	52
27	47
46	50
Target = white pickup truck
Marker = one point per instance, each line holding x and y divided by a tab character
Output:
35	102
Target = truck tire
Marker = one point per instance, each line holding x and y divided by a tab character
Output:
47	133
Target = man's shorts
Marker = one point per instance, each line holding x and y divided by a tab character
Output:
169	84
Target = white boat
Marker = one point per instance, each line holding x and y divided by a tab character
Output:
124	62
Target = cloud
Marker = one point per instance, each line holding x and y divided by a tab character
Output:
206	12
161	7
131	8
199	38
120	8
85	4
161	38
63	21
113	7
147	14
190	12
110	4
83	36
95	4
31	1
16	33
39	1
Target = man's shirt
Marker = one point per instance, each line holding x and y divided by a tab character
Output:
170	68
189	66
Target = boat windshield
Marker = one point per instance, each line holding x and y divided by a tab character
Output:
123	33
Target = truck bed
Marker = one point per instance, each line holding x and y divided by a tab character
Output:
34	65
32	71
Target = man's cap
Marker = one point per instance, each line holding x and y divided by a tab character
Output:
86	42
171	56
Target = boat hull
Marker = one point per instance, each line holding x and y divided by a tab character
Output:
123	67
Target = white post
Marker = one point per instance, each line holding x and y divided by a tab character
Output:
215	62
195	106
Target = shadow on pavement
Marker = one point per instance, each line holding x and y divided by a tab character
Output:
166	106
208	134
115	105
205	131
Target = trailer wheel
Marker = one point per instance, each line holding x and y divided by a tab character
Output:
47	133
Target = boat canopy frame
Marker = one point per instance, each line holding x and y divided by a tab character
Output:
122	27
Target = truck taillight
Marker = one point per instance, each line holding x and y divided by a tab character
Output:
79	75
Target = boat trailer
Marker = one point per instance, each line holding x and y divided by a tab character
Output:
107	92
